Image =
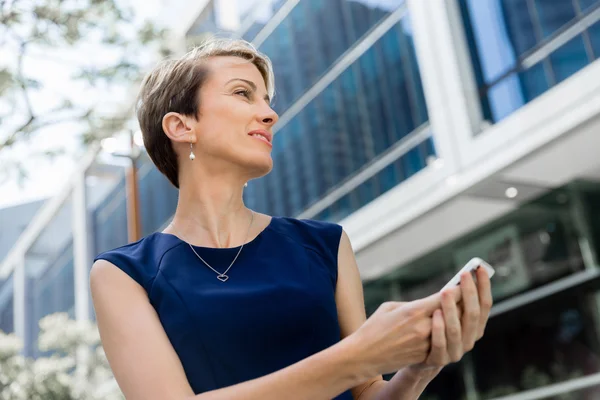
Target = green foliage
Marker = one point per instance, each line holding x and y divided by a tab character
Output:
38	31
6	80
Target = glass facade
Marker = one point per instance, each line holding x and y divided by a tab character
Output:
53	291
502	34
255	15
6	305
386	179
49	274
369	108
49	263
158	198
206	21
312	37
552	340
375	102
109	219
554	335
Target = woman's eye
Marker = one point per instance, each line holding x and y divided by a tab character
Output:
243	92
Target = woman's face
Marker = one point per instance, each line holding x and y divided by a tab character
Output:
235	125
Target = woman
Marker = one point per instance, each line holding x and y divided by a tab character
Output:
228	303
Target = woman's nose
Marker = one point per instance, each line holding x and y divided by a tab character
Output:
268	116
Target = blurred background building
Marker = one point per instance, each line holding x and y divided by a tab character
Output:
433	131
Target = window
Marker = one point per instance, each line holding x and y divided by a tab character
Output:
550	341
374	103
554	337
6	306
158	198
313	36
504	34
384	180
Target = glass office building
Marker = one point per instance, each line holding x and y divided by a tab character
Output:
382	105
49	278
342	102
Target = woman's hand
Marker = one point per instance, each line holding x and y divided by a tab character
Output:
456	328
398	334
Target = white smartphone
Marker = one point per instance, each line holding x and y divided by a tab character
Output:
471	266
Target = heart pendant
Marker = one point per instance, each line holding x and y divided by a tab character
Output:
222	278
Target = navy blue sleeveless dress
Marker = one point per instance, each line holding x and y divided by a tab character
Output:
276	308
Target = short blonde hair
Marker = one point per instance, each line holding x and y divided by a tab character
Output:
174	86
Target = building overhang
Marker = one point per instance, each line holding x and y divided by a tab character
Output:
561	144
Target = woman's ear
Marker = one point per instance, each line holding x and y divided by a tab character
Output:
176	128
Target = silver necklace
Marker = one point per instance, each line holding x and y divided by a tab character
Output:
223	276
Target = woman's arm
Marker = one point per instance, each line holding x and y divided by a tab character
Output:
453	332
147	367
350	303
405	385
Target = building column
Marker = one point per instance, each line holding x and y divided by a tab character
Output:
448	79
81	267
81	260
19	316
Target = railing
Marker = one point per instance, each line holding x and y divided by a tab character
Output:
551	391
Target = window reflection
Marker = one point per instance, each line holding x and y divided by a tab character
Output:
109	220
551	341
255	14
206	21
374	103
536	244
502	33
585	5
313	36
534	81
6	306
448	384
569	59
594	33
555	336
52	291
386	179
552	16
158	198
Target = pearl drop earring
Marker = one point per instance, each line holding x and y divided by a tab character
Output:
246	184
192	155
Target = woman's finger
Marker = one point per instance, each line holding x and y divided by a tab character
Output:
454	341
471	312
438	356
459	310
484	290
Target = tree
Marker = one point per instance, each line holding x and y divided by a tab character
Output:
100	42
55	375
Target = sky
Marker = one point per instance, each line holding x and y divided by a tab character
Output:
46	176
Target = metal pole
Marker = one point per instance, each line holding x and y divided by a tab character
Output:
133	205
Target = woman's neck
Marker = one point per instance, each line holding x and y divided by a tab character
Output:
211	216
